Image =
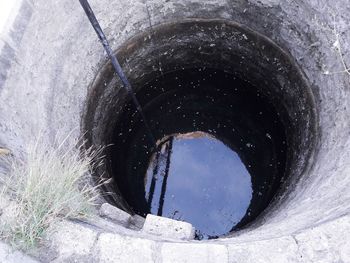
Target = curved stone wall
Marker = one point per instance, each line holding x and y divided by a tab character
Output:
50	75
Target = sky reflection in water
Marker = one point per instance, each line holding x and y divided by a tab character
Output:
207	185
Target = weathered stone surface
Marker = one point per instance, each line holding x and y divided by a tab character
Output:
328	242
323	243
137	221
10	255
11	33
194	252
70	240
280	250
115	214
115	248
168	228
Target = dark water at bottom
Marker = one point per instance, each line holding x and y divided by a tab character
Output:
204	182
226	158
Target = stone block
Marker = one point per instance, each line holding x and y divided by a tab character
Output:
115	248
282	250
115	214
72	240
169	228
137	221
192	252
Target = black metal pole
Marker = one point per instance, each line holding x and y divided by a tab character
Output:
153	182
165	179
90	14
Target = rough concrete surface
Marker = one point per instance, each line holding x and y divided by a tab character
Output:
115	248
51	56
161	226
10	255
76	242
115	214
73	240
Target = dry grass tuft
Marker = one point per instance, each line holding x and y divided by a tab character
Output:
51	184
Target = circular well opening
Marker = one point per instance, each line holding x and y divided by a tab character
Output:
232	114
